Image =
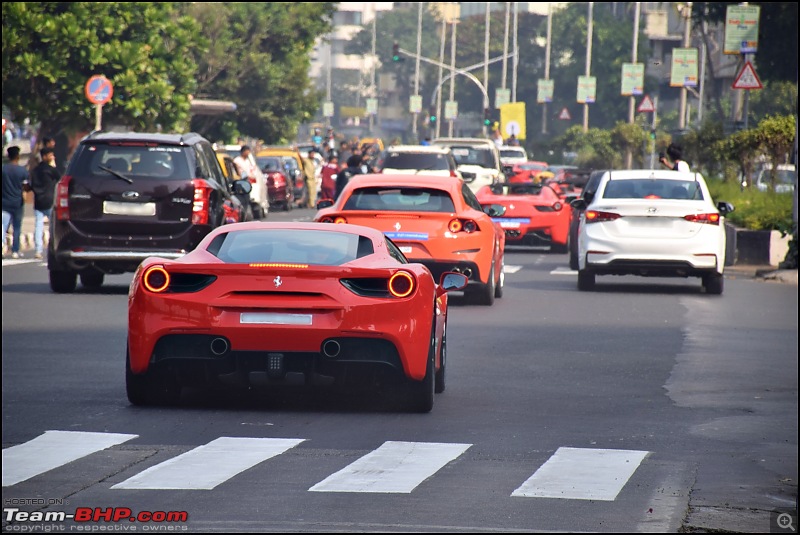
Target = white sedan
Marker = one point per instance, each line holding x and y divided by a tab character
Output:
652	223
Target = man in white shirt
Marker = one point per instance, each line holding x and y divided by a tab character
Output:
244	163
676	154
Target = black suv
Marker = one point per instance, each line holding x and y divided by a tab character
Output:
127	196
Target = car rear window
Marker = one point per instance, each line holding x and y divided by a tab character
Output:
517	189
400	200
290	246
416	160
472	156
646	188
531	167
269	163
138	160
512	153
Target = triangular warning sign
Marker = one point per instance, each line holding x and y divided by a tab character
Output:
646	105
747	78
565	115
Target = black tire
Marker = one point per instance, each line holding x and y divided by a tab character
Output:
501	282
713	283
441	372
420	393
573	260
63	282
585	280
136	385
484	295
92	279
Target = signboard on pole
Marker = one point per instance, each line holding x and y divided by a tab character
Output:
544	91
684	68
372	106
415	104
632	79
512	119
587	89
646	106
564	115
451	110
747	78
327	109
99	90
501	97
741	29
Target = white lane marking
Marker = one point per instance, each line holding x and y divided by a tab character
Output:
209	465
582	474
396	467
511	269
563	271
18	261
53	449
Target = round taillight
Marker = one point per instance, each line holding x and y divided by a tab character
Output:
340	220
156	279
470	226
557	206
326	219
401	284
454	226
590	215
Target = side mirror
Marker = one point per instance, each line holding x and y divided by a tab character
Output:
569	198
453	281
579	204
324	203
242	187
724	207
494	210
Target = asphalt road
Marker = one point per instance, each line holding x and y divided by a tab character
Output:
643	406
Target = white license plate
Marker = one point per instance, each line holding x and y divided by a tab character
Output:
273	318
405	249
509	224
129	208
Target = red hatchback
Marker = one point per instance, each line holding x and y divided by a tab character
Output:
279	193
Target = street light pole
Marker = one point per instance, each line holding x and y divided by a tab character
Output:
416	69
441	65
486	59
516	55
454	22
505	45
373	89
632	99
547	62
588	63
687	21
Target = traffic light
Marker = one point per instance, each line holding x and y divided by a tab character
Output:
432	115
487	117
396	52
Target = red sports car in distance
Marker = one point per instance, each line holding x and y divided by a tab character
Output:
269	304
534	215
527	171
434	220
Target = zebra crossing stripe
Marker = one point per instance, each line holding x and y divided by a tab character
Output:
209	465
53	449
582	474
395	467
511	269
563	271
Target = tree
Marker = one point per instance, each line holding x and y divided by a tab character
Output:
775	136
51	49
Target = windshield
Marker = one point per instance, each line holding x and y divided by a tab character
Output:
140	161
400	200
645	188
290	246
472	156
419	161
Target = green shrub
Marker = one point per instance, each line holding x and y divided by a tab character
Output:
754	209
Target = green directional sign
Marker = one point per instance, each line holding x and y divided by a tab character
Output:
632	79
587	89
741	29
684	68
544	91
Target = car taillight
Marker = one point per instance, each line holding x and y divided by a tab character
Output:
156	279
62	198
458	225
200	208
557	206
326	219
339	220
711	219
595	216
401	284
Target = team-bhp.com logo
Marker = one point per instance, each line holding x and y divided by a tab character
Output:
89	515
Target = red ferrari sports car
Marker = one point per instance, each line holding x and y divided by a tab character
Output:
435	220
270	304
535	215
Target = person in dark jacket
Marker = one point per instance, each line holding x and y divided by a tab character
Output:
15	181
43	183
353	168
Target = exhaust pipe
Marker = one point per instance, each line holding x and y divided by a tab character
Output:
467	272
456	270
219	346
331	348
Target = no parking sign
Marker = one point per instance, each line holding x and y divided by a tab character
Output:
99	91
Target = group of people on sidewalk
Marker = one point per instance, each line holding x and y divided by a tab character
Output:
41	181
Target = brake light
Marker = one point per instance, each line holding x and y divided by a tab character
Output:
711	219
457	225
557	206
595	216
401	284
202	195
62	198
340	220
156	279
454	226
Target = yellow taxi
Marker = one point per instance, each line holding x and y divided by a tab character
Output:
293	169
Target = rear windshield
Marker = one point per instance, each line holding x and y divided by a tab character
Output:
418	161
141	161
290	246
646	188
531	167
516	189
512	153
269	163
472	156
400	200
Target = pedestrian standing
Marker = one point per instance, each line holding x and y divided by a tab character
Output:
330	174
43	183
678	163
353	168
309	171
244	164
15	182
